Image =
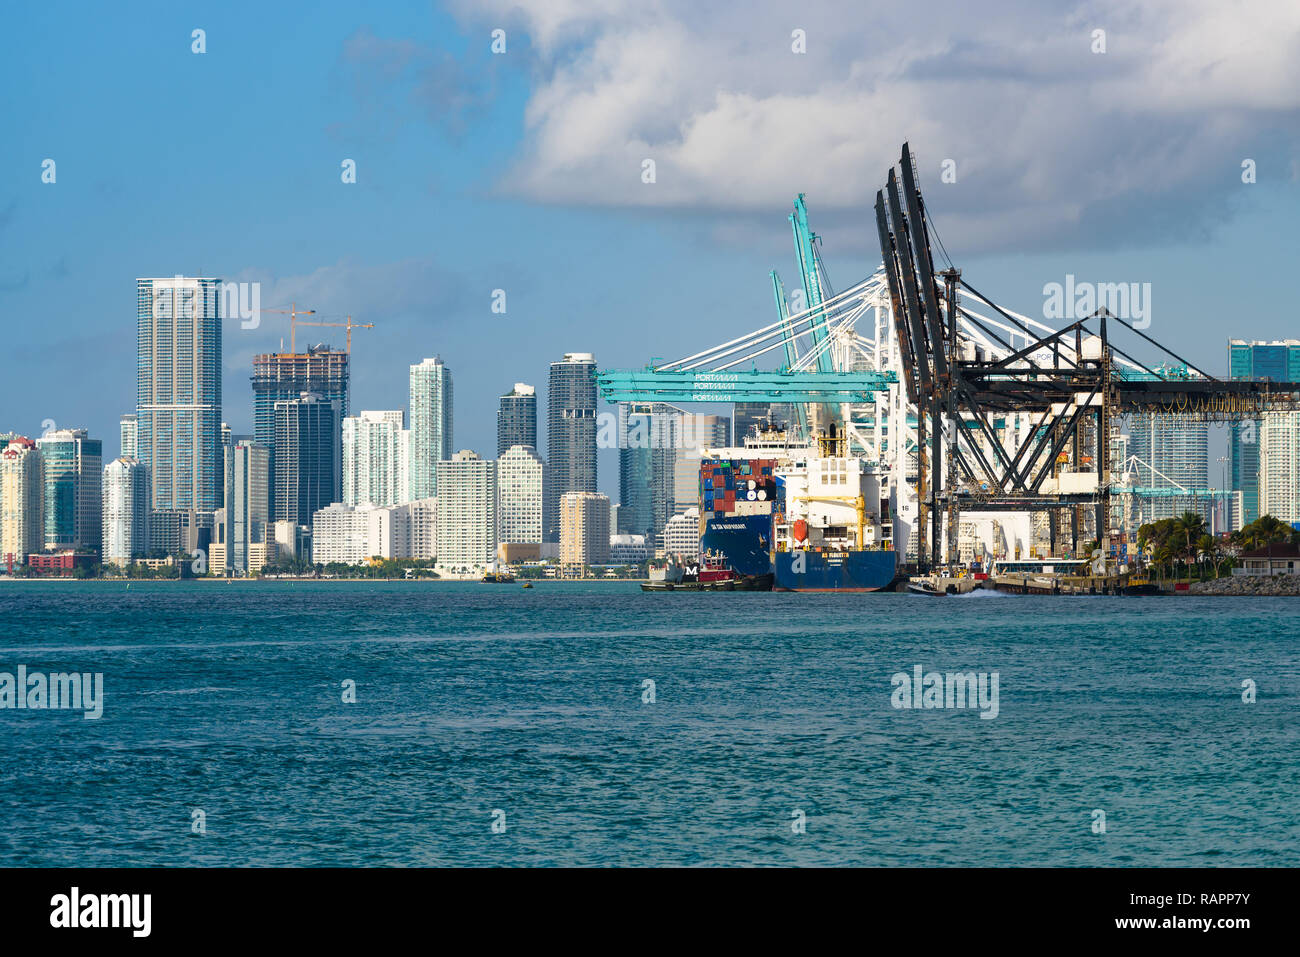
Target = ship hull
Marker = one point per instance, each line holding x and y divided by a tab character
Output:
744	540
851	571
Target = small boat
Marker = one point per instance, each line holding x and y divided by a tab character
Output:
528	584
712	573
496	575
924	586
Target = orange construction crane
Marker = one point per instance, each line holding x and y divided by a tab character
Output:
349	325
293	312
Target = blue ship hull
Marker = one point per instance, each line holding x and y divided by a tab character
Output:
746	541
869	570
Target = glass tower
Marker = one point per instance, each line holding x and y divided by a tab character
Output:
431	425
178	391
570	434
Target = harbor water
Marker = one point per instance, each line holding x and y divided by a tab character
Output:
593	724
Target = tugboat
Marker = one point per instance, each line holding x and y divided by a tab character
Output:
711	573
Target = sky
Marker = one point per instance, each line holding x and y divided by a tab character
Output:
522	171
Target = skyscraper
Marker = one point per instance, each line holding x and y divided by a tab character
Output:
247	511
570	434
126	511
22	500
648	434
308	457
431	424
1172	453
517	418
282	376
130	426
466	519
73	469
584	530
520	480
376	457
178	391
1278	360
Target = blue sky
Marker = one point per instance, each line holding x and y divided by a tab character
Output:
521	171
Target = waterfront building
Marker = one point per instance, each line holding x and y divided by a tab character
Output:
584	530
627	549
247	511
22	501
308	457
1278	360
681	538
178	392
424	528
284	376
466	513
570	435
432	408
520	480
355	534
125	504
73	476
375	458
517	418
1172	453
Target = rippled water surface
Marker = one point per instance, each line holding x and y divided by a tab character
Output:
480	698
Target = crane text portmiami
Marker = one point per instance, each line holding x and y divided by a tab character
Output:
56	691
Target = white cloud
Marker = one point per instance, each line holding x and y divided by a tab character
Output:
1053	143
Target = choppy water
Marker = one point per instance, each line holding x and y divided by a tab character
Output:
475	698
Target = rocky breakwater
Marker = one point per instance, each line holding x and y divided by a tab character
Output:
1265	585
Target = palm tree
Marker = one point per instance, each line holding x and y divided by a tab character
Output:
1189	526
1207	549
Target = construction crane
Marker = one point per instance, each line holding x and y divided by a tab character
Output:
293	312
349	325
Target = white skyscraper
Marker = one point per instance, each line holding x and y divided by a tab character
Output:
375	466
431	424
130	425
467	505
520	472
1279	466
126	511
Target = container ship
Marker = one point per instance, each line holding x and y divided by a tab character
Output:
813	517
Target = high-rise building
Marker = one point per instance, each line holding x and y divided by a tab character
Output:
130	426
1279	466
247	512
697	431
73	468
308	457
1172	453
570	434
648	441
126	511
283	376
467	506
681	539
520	473
584	530
517	418
22	500
353	534
424	528
431	424
178	391
1278	360
375	459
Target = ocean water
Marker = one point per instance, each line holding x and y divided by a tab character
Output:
771	739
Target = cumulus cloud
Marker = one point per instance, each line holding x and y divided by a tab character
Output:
1053	143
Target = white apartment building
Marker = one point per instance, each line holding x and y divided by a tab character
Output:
466	525
627	549
520	472
1279	466
681	538
353	534
376	455
125	510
